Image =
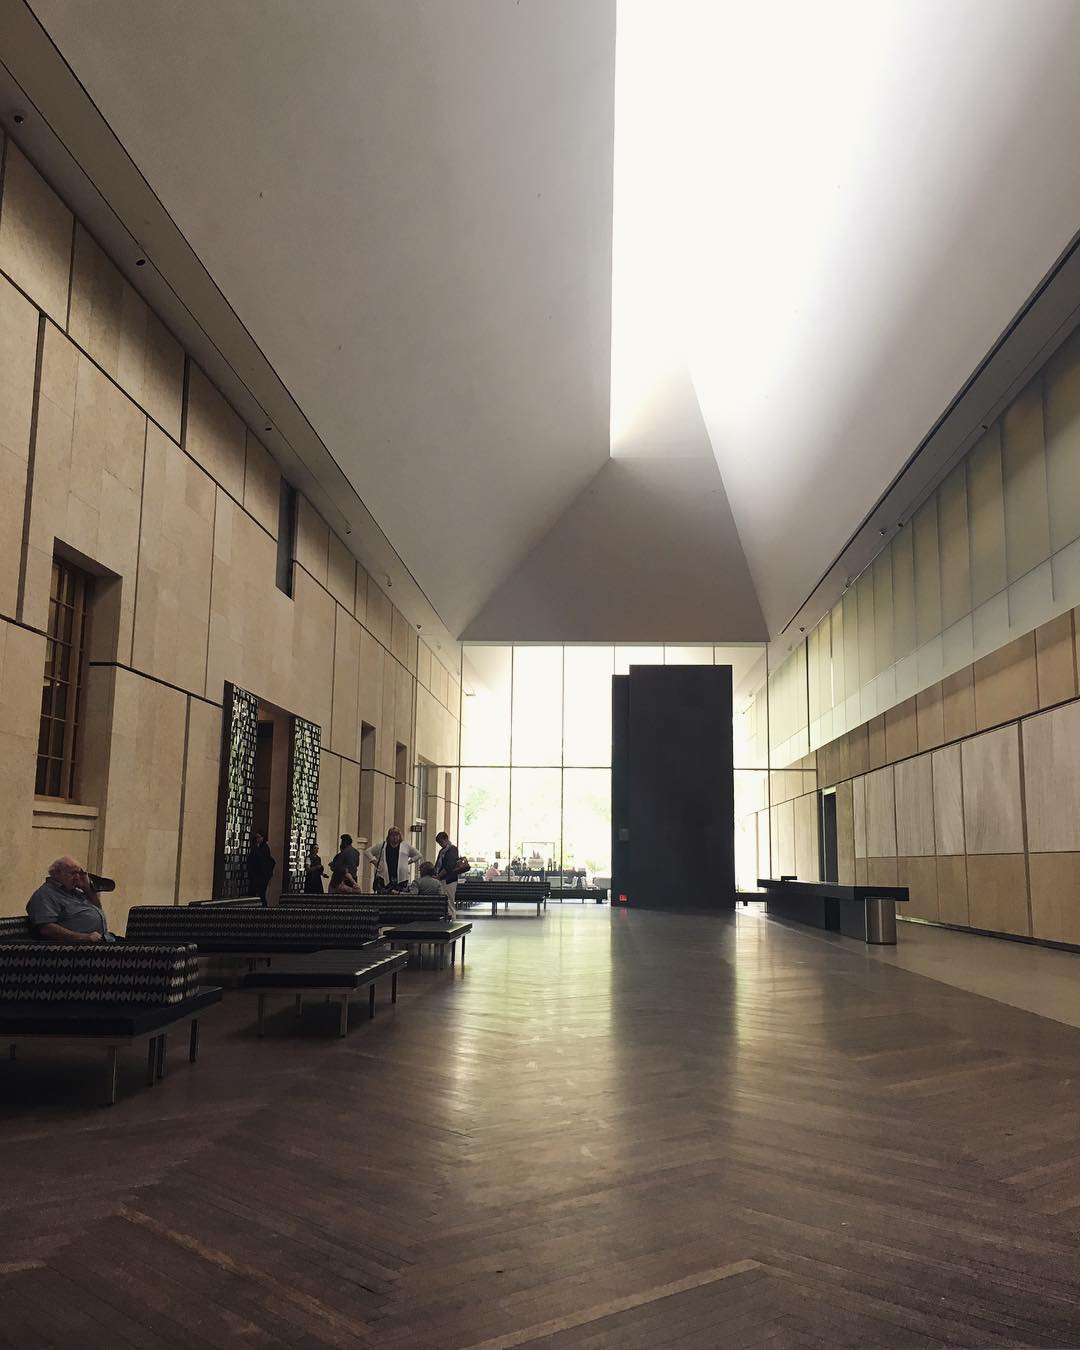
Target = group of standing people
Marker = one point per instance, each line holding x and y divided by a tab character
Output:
391	860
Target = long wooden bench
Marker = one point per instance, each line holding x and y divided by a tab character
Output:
496	893
111	994
864	912
331	974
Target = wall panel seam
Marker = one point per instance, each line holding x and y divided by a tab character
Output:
31	465
138	552
183	801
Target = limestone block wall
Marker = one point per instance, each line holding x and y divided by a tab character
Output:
968	794
117	450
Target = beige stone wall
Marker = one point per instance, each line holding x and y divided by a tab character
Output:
116	449
968	794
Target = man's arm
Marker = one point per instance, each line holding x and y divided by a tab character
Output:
414	854
372	854
56	932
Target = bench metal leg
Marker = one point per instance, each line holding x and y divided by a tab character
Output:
463	949
110	1076
262	1015
393	987
193	1041
453	953
494	909
371	1001
343	1023
151	1061
163	1041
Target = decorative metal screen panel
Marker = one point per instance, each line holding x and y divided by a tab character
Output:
240	732
303	797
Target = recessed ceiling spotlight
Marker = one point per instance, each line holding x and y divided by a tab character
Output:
883	531
801	629
269	427
19	119
348	529
140	262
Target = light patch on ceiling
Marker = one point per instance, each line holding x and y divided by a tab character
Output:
824	216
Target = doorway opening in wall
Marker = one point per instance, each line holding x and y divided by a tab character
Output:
830	857
270	796
365	823
427	808
401	788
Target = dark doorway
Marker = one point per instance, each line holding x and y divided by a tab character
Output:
401	788
830	859
367	797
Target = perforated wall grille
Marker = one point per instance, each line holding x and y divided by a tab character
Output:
241	732
303	797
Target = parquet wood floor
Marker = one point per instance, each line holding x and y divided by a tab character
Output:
612	1130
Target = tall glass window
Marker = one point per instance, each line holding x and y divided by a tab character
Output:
536	753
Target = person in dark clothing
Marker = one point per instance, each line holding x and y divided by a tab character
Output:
348	857
449	868
261	865
314	872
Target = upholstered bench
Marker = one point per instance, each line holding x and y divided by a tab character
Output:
437	935
256	932
390	908
109	993
496	893
332	974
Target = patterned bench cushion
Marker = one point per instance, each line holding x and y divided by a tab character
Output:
99	972
407	908
17	930
512	892
224	928
386	908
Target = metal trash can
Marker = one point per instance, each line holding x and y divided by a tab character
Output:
880	920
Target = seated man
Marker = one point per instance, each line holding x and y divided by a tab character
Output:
66	907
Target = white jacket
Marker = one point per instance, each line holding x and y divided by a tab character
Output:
406	855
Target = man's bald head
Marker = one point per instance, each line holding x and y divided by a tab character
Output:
66	872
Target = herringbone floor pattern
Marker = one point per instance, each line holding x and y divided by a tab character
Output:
613	1130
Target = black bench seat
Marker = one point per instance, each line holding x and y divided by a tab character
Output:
114	1026
257	932
438	935
864	912
505	893
330	973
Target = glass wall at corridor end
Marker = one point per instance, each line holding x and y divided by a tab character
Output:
536	751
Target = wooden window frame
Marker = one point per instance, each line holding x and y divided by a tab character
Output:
57	776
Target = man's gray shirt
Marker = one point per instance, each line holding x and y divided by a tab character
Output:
50	903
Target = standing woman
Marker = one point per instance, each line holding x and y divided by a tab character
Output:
314	872
391	860
261	865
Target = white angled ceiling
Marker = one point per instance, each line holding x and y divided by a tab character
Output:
824	216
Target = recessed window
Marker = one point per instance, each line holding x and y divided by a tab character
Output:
61	688
286	540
